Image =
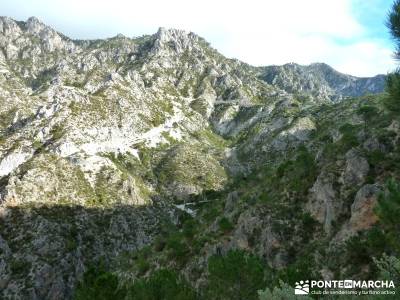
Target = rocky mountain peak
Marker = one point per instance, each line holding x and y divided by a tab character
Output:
35	26
177	39
30	38
8	27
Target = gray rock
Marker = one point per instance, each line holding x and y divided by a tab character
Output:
231	201
356	169
365	196
362	213
323	204
372	144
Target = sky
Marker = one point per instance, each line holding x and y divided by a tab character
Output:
350	35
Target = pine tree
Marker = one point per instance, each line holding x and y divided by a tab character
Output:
393	80
388	212
394	25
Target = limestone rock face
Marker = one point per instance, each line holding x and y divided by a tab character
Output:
362	212
178	40
71	236
362	215
301	129
323	204
356	170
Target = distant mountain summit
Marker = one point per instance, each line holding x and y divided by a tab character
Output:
320	80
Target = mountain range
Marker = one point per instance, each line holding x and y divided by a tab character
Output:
127	156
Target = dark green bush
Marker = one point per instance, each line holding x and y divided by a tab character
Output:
225	225
100	285
349	137
392	102
57	132
388	212
161	285
369	113
178	249
299	174
237	275
189	228
300	269
362	248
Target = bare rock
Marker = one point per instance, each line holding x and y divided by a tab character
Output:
356	169
362	212
323	204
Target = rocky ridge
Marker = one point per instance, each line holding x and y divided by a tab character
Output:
320	81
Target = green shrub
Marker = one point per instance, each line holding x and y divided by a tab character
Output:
210	213
392	102
100	285
309	225
142	260
388	212
20	267
71	244
143	265
161	285
237	275
297	175
225	225
103	190
57	132
37	146
349	137
178	249
189	228
264	198
360	250
376	157
281	292
159	243
43	78
300	269
388	209
368	112
389	269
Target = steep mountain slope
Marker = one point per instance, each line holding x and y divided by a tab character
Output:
158	152
320	81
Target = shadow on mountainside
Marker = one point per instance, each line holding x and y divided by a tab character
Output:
45	249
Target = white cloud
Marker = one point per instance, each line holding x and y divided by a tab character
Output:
260	32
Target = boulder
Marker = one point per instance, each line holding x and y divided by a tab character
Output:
323	204
362	212
356	169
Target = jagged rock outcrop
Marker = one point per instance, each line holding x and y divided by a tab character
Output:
324	205
356	169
